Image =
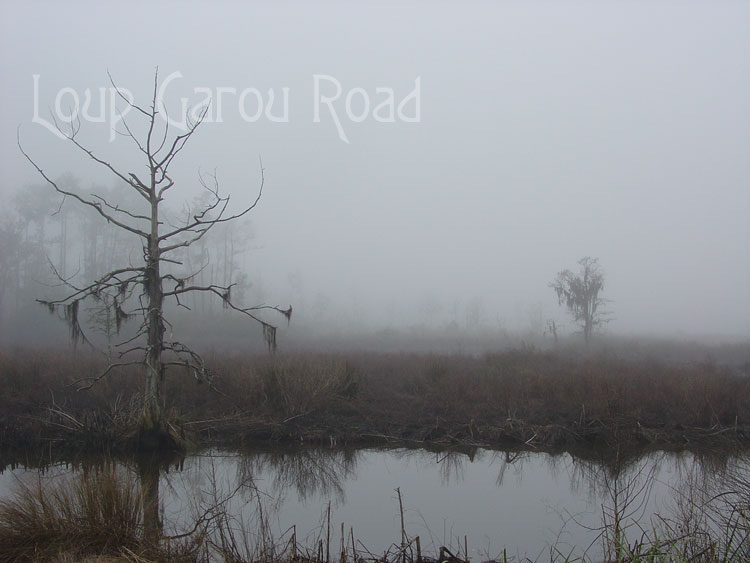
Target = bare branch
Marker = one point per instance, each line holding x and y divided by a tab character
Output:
200	226
111	279
269	330
192	361
119	209
93	380
72	138
94	205
179	143
129	102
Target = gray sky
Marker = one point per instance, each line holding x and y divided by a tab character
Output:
548	131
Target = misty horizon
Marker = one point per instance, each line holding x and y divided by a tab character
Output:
471	153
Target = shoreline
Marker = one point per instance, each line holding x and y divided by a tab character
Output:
512	399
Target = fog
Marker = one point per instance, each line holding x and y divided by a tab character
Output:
525	136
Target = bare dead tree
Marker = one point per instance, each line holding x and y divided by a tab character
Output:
155	280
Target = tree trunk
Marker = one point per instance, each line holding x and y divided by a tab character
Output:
153	432
587	330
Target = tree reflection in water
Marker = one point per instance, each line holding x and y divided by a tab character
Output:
241	495
308	472
148	474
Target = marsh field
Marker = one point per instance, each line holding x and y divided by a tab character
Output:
551	399
521	454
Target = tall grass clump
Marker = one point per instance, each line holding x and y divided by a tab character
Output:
294	386
92	514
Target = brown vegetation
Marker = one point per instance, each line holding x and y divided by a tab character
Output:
526	398
95	514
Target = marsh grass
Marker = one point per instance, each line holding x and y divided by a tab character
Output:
94	516
292	387
91	514
521	397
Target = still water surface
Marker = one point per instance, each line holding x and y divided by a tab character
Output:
527	503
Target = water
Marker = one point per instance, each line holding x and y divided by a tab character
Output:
527	503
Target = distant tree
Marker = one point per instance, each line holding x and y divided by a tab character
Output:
429	308
580	294
104	318
140	289
11	251
552	329
474	311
